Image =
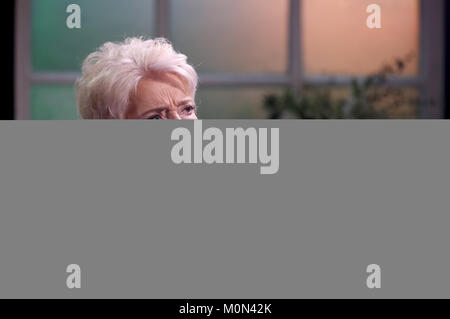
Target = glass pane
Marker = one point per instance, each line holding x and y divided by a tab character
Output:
233	103
226	36
58	48
336	39
53	102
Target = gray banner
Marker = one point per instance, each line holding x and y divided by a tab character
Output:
106	195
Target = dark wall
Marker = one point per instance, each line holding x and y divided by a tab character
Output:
7	107
447	64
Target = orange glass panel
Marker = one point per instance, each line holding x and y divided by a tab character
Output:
336	39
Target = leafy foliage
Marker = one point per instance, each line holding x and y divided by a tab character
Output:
370	98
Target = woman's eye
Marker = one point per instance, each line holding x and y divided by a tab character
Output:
154	117
189	109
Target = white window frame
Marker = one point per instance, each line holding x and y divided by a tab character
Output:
429	81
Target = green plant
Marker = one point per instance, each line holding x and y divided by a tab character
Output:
369	98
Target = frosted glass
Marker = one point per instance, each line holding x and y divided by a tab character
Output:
58	48
245	36
233	103
53	102
336	39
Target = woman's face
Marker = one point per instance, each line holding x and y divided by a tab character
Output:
163	98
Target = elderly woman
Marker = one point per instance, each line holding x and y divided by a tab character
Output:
137	79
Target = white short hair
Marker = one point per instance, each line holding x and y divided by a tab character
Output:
111	74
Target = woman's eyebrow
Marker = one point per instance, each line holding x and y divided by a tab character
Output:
185	101
155	110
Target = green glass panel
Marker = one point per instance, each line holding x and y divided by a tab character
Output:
233	103
245	36
53	102
55	47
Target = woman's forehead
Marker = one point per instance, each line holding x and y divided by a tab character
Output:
168	79
161	90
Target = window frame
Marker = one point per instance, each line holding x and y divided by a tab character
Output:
429	81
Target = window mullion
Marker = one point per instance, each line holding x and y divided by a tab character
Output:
295	63
431	58
22	60
162	18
